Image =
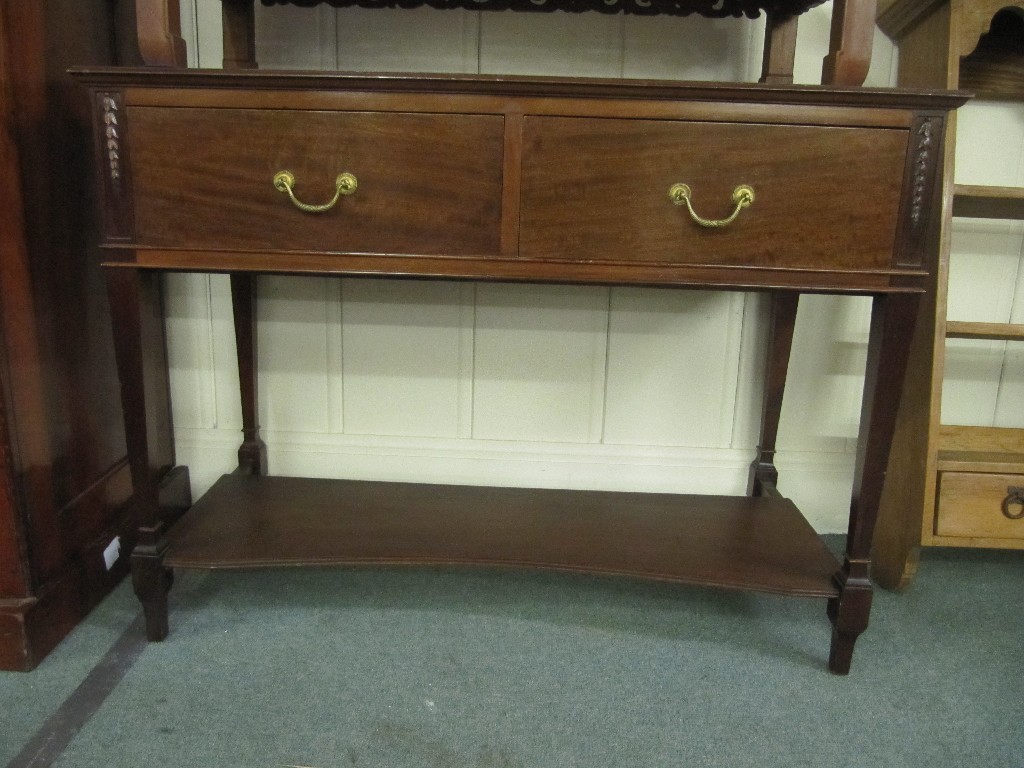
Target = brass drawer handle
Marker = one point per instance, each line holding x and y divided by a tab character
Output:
1014	495
344	184
742	196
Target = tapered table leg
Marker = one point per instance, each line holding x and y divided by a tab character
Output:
763	474
137	318
252	454
892	328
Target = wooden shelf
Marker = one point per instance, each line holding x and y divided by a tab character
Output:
746	543
981	202
973	439
997	331
991	462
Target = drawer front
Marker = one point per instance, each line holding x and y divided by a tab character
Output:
427	183
971	505
824	198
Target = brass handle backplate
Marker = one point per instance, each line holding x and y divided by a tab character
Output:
742	196
1014	495
344	184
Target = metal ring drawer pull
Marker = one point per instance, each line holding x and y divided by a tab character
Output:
742	196
344	184
1014	495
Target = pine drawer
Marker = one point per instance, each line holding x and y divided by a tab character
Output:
972	505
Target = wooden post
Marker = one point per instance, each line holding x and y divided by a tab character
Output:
158	23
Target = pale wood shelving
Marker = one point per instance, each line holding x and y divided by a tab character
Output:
952	485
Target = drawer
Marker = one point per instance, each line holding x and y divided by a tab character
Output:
824	197
427	183
971	504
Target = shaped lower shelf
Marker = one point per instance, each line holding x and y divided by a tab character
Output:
759	544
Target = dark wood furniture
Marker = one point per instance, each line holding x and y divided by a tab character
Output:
64	477
847	62
792	189
953	485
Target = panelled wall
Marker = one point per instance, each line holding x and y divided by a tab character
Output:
519	384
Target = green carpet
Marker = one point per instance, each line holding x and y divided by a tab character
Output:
491	669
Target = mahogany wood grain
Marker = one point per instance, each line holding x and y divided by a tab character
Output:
849	56
838	174
610	180
159	33
700	100
436	188
724	541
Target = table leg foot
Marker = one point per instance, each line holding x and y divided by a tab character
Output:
849	616
152	581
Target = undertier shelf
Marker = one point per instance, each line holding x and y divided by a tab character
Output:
760	544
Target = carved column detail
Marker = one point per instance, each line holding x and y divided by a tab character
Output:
112	156
921	199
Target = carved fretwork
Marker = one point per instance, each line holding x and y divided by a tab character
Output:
779	9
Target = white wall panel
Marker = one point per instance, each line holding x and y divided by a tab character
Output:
539	362
407	356
672	367
407	40
227	405
691	48
190	351
567	44
296	38
821	409
293	314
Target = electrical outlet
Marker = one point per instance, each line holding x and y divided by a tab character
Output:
112	552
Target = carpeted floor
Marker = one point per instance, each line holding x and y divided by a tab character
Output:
331	668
